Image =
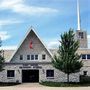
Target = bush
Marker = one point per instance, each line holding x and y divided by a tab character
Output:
84	79
64	84
8	84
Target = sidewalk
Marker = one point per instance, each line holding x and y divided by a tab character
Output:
45	88
37	86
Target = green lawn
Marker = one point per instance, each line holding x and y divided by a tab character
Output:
59	84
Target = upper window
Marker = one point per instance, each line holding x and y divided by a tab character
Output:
50	73
36	57
21	57
81	35
83	56
28	57
10	73
88	56
32	57
43	56
84	73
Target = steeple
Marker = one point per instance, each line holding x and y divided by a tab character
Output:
78	16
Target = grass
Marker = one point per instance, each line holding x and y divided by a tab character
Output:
8	84
63	84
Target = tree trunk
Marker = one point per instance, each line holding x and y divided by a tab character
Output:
68	78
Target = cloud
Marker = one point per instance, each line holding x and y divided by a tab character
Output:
9	47
4	35
9	3
53	44
19	6
88	36
9	21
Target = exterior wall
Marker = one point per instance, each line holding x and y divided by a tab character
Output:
58	75
3	74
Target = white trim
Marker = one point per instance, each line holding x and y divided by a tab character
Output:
34	57
31	29
86	57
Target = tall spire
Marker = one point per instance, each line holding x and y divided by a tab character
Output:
78	15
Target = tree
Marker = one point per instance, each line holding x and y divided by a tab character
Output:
1	57
67	60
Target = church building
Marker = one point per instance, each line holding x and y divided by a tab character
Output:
32	61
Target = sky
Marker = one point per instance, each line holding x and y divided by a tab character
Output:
49	18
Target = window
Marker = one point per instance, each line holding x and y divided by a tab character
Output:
10	73
50	73
81	35
28	57
83	56
43	56
88	56
36	57
32	57
21	57
84	73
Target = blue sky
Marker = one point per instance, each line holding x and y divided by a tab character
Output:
49	18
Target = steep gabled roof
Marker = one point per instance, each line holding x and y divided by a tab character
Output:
29	31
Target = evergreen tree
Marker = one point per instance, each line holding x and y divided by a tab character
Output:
67	60
1	57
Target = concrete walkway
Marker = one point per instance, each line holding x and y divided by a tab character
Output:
45	88
29	85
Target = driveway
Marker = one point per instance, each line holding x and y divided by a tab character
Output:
36	86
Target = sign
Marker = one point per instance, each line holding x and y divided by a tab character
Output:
36	66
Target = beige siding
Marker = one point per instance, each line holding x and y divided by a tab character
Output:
38	48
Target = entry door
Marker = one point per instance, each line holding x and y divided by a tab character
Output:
30	75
